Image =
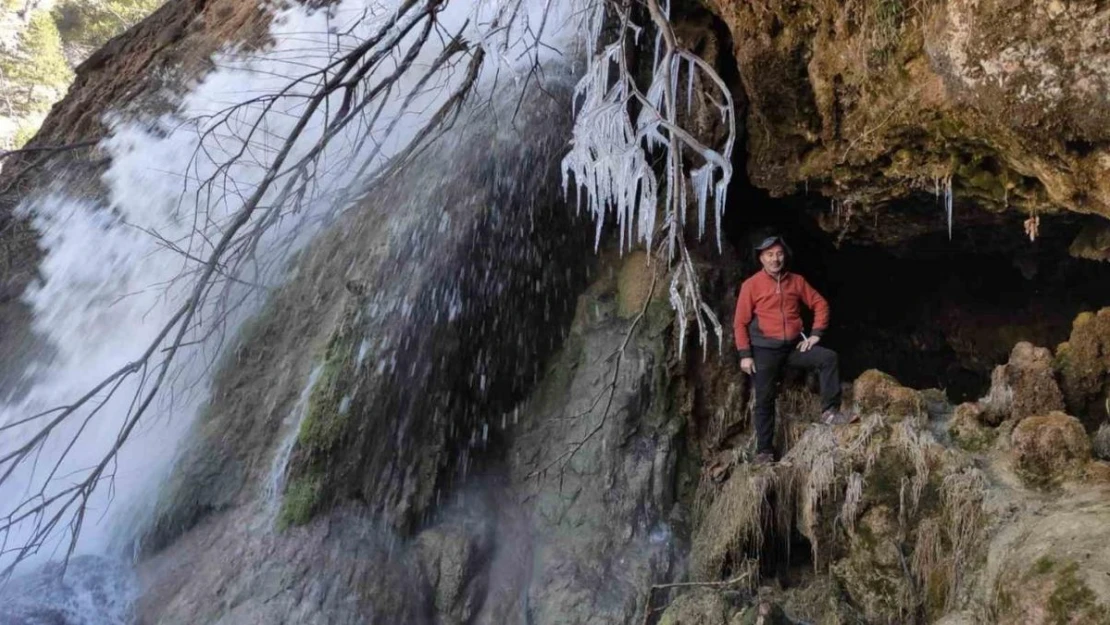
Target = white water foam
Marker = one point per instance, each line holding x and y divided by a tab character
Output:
116	271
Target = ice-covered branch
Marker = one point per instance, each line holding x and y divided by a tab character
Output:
622	128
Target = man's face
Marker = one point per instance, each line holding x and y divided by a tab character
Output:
773	258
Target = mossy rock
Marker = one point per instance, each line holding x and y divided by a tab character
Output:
301	501
325	426
1100	442
967	429
1051	592
700	606
763	613
1083	366
876	392
1050	449
871	574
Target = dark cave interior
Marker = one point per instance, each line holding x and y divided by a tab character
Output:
933	312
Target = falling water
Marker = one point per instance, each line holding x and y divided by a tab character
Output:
117	270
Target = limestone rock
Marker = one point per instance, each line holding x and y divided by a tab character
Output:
1048	449
1092	242
1100	443
1083	363
872	573
1097	472
453	559
967	429
1023	387
1053	567
868	103
762	613
634	284
700	606
876	392
958	618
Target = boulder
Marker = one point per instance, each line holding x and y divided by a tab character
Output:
1049	449
700	606
762	613
1082	363
453	559
967	429
1100	442
876	392
1023	387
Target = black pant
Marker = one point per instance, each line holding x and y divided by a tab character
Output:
769	366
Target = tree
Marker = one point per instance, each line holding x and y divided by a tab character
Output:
37	68
91	23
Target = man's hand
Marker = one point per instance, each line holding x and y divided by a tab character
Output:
808	343
747	365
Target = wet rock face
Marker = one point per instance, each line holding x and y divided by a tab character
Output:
567	521
593	460
455	559
91	591
873	102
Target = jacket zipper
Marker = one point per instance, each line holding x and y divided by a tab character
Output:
782	308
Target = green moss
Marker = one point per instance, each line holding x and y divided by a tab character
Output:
324	429
885	480
324	423
974	439
936	593
1072	601
1005	601
302	500
1043	565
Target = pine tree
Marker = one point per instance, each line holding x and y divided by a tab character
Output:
36	71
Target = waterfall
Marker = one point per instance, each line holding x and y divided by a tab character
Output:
206	211
117	270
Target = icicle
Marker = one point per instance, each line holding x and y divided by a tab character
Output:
948	203
701	178
690	86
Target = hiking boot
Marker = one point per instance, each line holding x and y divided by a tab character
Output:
764	457
836	417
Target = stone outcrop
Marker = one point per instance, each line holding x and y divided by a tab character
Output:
1002	103
1053	566
1022	387
968	428
1051	448
1083	363
1100	443
568	518
875	392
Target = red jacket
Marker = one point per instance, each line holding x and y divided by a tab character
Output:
768	313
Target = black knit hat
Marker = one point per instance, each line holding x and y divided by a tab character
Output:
768	242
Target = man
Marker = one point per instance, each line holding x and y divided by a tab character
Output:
770	337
